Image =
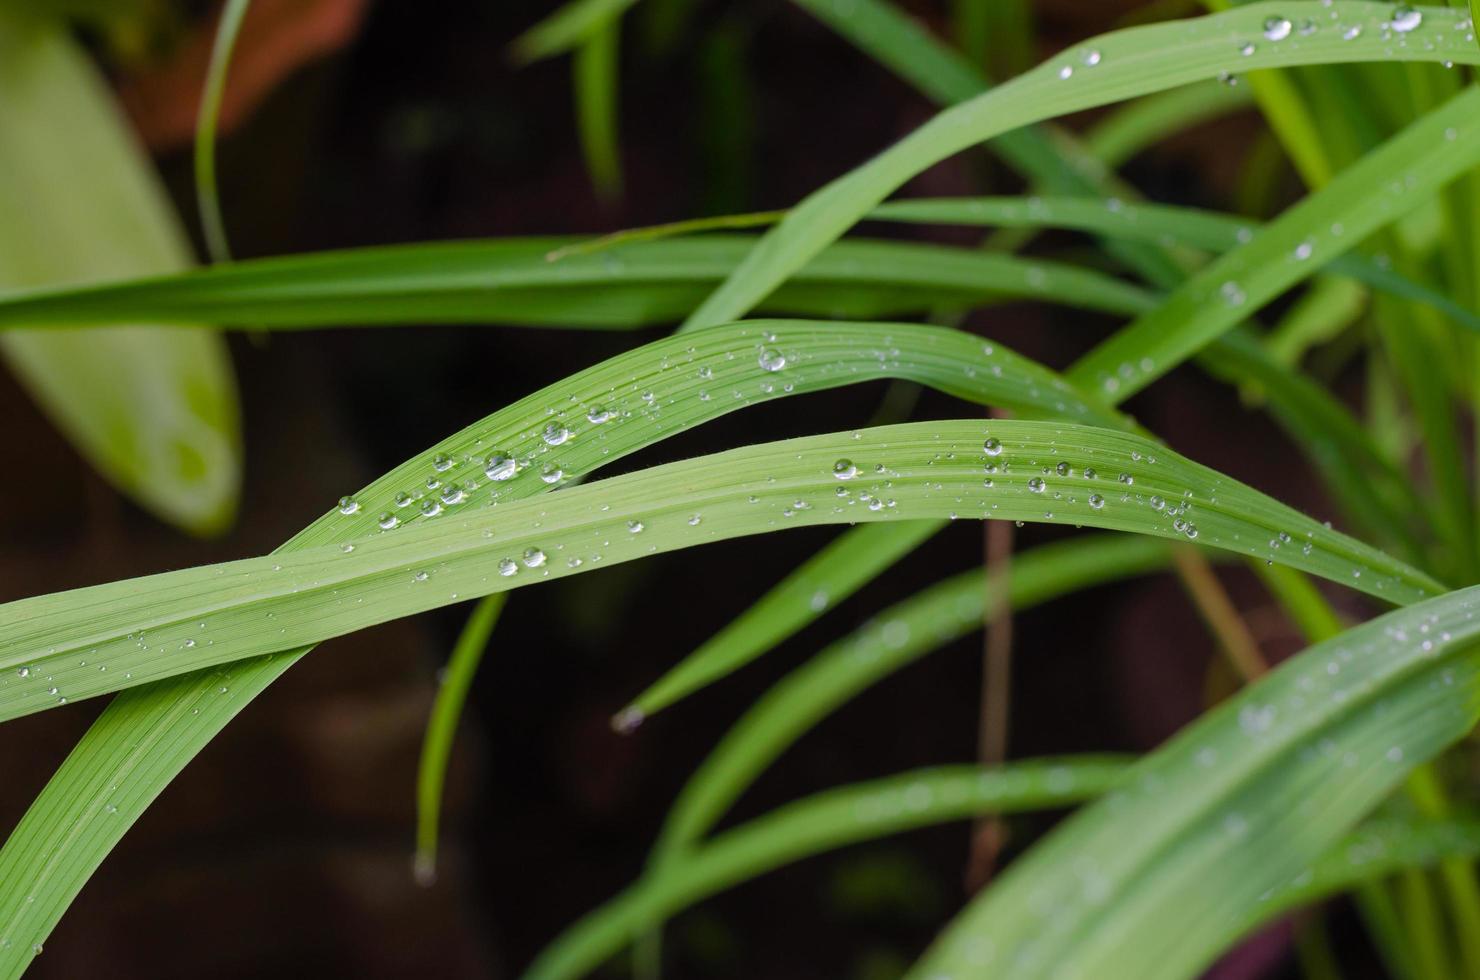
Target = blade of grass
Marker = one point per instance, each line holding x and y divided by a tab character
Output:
1130	63
1389	181
850	561
566	29
52	646
1158	878
436	746
596	83
823	822
510	282
207	195
1124	133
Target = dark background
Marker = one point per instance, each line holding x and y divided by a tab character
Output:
285	848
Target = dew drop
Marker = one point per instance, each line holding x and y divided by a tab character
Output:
992	447
598	414
1405	19
1277	28
1037	485
1096	501
844	469
348	505
1090	58
555	434
507	567
551	473
533	558
442	462
771	359
387	521
500	467
635	527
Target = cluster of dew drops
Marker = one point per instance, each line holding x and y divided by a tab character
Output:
443	493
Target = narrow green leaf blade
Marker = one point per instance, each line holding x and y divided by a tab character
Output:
1158	878
436	746
822	822
849	562
1131	62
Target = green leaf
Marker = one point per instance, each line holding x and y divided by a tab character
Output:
436	746
596	81
895	638
1131	63
1159	877
1402	173
207	195
204	617
153	410
510	281
850	561
566	29
823	822
1122	134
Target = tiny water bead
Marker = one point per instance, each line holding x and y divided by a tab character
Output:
500	466
403	499
992	447
635	527
348	505
1405	19
1304	250
1037	485
533	558
597	415
452	494
387	521
555	434
431	508
1246	49
551	473
1066	72
844	469
1096	501
421	576
771	359
1232	294
507	567
1277	28
1090	58
442	462
1062	469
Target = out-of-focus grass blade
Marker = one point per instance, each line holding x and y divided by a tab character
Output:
1329	307
850	561
154	410
566	29
1156	879
823	822
1389	181
1126	132
207	195
596	83
897	637
436	746
1378	848
510	282
1126	64
1089	476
